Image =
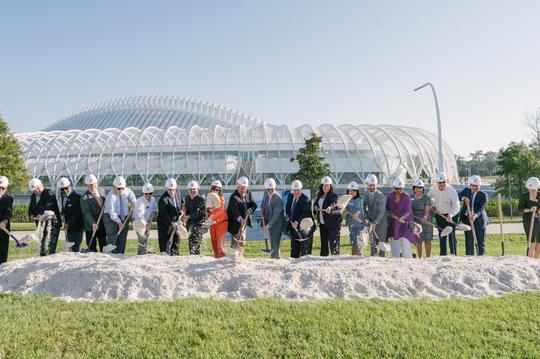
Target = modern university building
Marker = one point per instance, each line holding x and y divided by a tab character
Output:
152	138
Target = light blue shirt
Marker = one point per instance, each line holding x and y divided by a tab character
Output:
112	204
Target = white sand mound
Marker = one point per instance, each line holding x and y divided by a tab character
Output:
73	276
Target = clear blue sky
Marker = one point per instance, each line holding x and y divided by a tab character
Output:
283	61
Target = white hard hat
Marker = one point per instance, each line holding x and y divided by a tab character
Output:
148	188
34	183
533	183
119	182
418	183
269	183
243	181
353	186
296	185
170	183
441	177
63	182
398	183
192	184
216	183
4	182
371	179
475	180
326	180
90	179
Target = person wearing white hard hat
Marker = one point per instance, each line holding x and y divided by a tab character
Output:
218	214
70	207
297	208
239	210
117	213
42	203
529	205
92	202
170	209
398	205
6	212
354	216
375	210
195	217
445	204
328	217
421	207
144	212
272	217
474	208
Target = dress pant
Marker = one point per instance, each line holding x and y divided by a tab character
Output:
218	231
4	247
111	227
300	248
75	237
480	240
451	238
330	240
101	238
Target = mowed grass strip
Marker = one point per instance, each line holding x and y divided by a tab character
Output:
515	244
38	326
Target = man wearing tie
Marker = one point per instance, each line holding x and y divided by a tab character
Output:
71	209
298	207
117	213
92	202
170	207
375	210
272	212
476	200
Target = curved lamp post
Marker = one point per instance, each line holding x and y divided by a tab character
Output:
439	131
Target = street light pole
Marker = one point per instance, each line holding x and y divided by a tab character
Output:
439	130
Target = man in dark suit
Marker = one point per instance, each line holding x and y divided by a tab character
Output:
170	207
70	203
272	213
43	200
92	202
195	216
6	212
297	208
476	200
241	206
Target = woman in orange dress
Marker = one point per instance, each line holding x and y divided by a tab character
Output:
217	214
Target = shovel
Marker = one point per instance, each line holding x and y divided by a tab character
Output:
267	250
111	247
86	250
23	242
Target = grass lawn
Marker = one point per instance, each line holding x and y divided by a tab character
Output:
515	244
38	326
42	327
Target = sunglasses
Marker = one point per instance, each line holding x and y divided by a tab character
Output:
2	188
120	188
64	189
148	194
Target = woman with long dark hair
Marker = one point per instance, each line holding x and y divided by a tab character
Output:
329	217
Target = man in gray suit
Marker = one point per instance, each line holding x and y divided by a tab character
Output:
272	216
92	202
375	209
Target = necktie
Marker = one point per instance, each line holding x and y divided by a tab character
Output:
98	198
122	212
293	207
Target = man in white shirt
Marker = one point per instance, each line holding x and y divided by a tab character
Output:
446	207
144	213
117	213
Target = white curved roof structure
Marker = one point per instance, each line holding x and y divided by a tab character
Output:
151	138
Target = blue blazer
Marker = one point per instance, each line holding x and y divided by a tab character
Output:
478	207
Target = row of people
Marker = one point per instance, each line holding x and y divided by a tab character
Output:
104	218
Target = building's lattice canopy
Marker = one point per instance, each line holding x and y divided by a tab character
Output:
150	138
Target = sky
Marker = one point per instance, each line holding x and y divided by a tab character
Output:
285	62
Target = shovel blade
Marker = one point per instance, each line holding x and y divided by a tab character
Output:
109	248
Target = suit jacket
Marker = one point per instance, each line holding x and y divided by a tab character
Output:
90	208
274	218
167	212
236	209
301	210
376	209
6	211
332	219
72	212
195	209
47	202
478	207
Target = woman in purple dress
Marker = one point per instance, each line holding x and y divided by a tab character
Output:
398	205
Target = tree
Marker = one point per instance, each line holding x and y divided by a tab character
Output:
11	162
532	122
311	163
516	163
